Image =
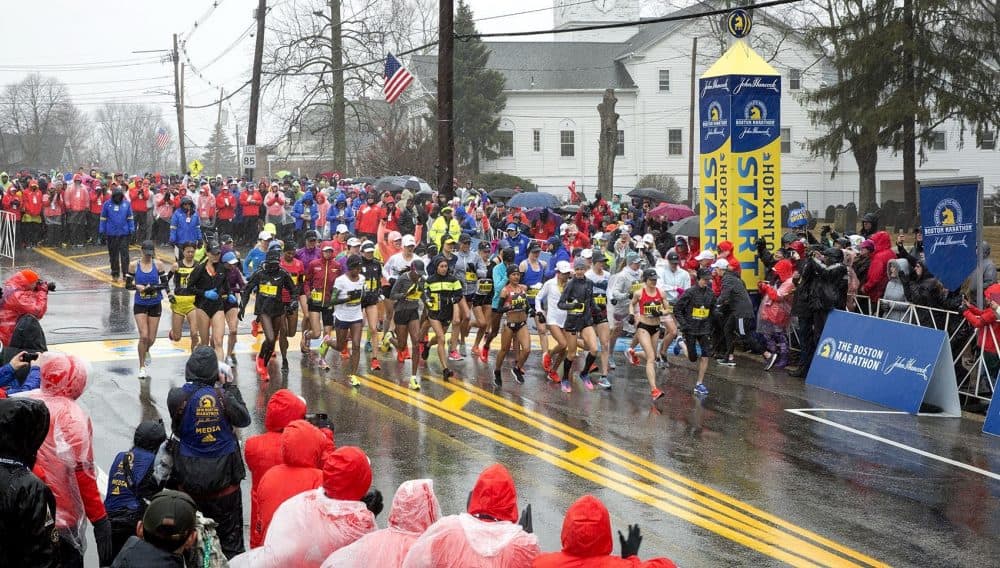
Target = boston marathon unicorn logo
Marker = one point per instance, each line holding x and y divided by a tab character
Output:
755	121
948	229
717	123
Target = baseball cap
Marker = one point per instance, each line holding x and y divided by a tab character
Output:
587	253
311	235
353	242
449	240
289	246
600	237
705	255
721	264
484	245
648	239
148	246
704	273
226	239
511	226
673	257
554	240
681	242
417	265
169	519
342	228
327	245
368	246
649	274
264	236
270	228
579	263
631	258
446	210
564	267
409	241
230	258
465	239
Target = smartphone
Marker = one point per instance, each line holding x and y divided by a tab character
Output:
28	357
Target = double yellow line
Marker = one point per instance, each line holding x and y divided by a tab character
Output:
645	482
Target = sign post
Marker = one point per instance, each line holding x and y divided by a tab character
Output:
740	144
249	157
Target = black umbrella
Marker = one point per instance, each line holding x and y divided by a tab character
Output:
688	227
364	179
502	194
569	209
650	193
396	184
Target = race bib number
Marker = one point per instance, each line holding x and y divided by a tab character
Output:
485	287
354	302
432	303
371	285
635	287
316	296
533	293
519	303
652	310
699	313
268	290
413	294
600	301
470	276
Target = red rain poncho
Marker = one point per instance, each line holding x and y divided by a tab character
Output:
587	543
311	526
23	293
414	508
67	455
471	540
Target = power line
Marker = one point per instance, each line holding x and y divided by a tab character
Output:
223	99
552	7
616	25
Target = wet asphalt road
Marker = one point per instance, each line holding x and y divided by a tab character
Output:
734	479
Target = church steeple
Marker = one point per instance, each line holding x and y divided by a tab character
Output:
576	13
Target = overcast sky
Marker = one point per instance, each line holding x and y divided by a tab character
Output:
89	45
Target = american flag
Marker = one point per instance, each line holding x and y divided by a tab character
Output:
162	138
397	79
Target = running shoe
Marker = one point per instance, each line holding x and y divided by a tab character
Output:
554	376
463	350
232	358
700	389
387	341
260	366
587	382
324	346
414	383
345	354
593	367
149	358
284	363
324	365
368	346
402	355
518	375
454	356
143	374
677	346
305	345
720	361
565	385
657	394
611	363
770	361
604	383
375	365
425	350
265	375
662	362
484	354
731	362
355	381
546	362
255	328
448	374
632	357
497	381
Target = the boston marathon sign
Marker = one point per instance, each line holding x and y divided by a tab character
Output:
949	214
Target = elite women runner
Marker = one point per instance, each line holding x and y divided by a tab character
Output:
514	309
443	291
269	283
149	278
648	304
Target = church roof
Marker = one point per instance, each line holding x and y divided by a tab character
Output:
545	65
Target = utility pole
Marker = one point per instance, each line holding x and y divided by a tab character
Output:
179	102
694	90
236	137
217	151
339	110
258	61
445	97
909	122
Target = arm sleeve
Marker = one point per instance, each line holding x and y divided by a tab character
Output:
564	297
6	375
89	494
399	289
33	382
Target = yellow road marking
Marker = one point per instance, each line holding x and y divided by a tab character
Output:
765	539
456	400
70	263
582	454
647	469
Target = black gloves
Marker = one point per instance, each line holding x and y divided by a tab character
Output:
630	545
241	313
373	501
102	534
354	295
630	319
525	519
614	302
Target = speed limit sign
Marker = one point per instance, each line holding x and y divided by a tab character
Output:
250	157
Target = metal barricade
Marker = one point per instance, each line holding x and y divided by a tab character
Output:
8	236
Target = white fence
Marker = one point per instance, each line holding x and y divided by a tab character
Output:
8	236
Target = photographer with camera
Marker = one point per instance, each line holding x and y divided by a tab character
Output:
10	383
149	277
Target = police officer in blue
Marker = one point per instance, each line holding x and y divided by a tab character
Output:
131	482
117	226
208	464
517	241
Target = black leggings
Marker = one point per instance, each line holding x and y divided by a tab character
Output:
272	326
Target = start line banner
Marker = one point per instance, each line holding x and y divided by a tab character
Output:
885	362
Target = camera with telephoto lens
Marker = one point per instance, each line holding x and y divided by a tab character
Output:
320	420
29	357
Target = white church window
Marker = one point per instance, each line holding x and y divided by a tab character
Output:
567	143
620	146
786	140
794	79
664	80
536	140
675	146
987	140
505	149
937	140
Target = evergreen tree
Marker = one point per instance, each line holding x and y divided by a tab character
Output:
478	96
219	157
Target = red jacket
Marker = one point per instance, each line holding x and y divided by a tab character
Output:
77	198
587	541
263	451
13	202
97	199
250	202
206	205
138	196
53	205
226	204
32	201
368	218
878	275
987	327
302	449
320	276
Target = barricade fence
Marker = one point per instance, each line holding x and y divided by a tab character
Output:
8	236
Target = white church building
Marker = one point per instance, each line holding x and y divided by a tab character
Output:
551	122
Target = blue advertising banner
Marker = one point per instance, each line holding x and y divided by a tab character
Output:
885	362
949	214
992	425
798	218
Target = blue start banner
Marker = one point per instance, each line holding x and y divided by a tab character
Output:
949	214
885	362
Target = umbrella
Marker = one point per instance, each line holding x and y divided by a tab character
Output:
364	180
396	184
502	194
650	193
687	227
533	215
533	200
670	212
570	209
282	174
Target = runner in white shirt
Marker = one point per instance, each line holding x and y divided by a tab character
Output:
393	267
348	319
672	282
555	319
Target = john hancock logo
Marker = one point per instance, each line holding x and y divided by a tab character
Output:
717	123
755	121
949	230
